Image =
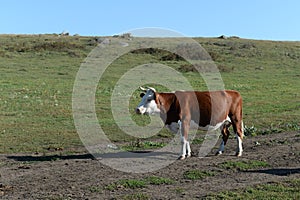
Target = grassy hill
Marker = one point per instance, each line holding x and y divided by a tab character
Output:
38	72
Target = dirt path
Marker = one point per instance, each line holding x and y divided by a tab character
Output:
81	177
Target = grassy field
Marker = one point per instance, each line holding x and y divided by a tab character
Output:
38	73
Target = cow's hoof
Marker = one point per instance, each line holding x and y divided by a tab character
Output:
181	158
238	154
219	153
188	155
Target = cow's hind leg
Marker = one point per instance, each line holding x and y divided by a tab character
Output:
239	137
188	150
225	135
238	128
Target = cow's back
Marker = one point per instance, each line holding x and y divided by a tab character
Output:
208	107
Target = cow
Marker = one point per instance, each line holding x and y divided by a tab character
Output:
210	110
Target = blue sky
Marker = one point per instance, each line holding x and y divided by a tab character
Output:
255	19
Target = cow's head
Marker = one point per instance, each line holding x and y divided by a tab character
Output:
148	103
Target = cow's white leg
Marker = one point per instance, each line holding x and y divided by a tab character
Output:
188	148
184	144
185	149
239	150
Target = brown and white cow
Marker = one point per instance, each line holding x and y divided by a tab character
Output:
209	110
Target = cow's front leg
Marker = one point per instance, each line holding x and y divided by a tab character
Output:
185	145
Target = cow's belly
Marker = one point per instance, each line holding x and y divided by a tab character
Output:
217	126
174	127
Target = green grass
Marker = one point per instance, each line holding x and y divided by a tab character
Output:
136	196
196	174
126	183
269	191
272	128
138	183
36	88
244	165
143	145
132	183
155	180
38	72
198	140
95	189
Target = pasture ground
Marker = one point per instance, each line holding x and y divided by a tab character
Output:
272	164
42	156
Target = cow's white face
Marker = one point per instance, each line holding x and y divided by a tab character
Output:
147	104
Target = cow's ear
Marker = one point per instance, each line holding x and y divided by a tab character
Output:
142	94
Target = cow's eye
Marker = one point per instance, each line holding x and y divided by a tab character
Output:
149	100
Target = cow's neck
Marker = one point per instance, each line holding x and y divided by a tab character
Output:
169	107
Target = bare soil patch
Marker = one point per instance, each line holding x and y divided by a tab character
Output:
81	177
